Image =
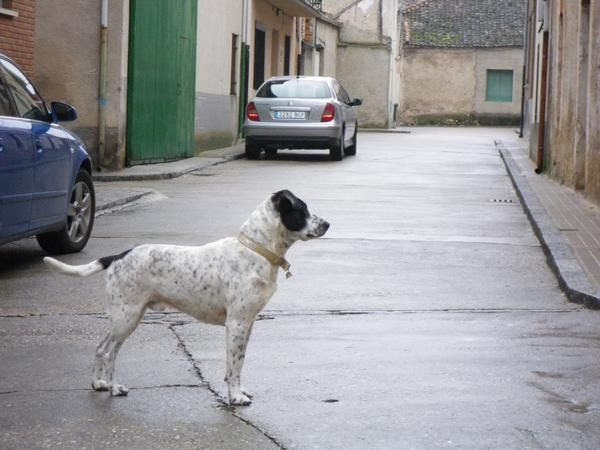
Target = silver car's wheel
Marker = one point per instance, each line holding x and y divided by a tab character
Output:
351	151
252	151
80	219
336	152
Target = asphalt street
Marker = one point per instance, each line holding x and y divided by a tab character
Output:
426	317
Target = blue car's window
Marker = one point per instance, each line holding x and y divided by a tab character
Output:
5	109
295	88
29	104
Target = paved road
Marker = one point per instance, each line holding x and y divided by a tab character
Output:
426	318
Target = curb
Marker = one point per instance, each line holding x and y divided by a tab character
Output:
122	201
571	277
166	175
384	130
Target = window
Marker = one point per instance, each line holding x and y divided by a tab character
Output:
5	108
29	104
341	93
294	88
499	86
233	78
6	8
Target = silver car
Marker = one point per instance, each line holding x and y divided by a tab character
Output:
304	112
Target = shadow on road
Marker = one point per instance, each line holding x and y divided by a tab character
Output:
308	155
19	255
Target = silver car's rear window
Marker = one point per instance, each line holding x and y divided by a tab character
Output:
295	88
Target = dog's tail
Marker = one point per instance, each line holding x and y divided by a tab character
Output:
84	270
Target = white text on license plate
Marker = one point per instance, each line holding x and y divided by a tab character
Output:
293	115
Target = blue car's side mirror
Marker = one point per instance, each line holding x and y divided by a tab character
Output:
61	112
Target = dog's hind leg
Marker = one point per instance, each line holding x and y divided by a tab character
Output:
238	333
99	382
123	324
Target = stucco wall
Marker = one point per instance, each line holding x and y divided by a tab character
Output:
361	22
563	94
68	66
452	82
572	137
366	55
592	173
265	15
216	121
498	59
328	34
437	82
369	83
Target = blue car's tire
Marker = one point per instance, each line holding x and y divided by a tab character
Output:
74	235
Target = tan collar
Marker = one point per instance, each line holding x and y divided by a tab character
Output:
276	260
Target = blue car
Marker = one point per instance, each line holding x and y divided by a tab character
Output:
46	188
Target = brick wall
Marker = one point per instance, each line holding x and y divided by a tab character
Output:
17	32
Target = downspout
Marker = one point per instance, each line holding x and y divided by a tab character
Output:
525	67
243	84
103	87
543	95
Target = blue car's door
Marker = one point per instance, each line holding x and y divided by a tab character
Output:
53	156
17	158
53	173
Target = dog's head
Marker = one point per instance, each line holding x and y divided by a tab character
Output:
295	217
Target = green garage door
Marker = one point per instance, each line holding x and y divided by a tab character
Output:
161	80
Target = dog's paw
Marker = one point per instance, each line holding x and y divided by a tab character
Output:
99	385
118	390
239	400
247	394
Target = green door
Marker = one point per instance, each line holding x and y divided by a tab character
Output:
161	80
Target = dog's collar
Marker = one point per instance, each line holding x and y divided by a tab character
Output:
276	260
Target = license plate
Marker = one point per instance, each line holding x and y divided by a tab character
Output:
289	115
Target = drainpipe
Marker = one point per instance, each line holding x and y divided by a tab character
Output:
543	95
103	87
525	67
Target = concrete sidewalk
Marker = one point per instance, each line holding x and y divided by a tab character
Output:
111	195
567	225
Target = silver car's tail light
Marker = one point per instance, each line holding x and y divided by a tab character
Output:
252	113
328	113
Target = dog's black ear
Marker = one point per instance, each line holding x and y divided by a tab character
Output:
284	201
292	210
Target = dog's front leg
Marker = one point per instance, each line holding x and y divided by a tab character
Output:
238	333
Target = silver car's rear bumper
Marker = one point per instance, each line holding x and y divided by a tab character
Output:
292	135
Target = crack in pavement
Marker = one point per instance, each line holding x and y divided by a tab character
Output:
160	386
169	318
220	401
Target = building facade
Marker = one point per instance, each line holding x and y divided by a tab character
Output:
367	51
462	61
562	91
141	103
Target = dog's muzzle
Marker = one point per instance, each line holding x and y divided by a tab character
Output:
317	227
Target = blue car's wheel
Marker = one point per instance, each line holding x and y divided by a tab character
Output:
80	219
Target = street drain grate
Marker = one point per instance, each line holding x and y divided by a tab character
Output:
502	200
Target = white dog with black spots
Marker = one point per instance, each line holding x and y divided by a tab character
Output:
227	282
